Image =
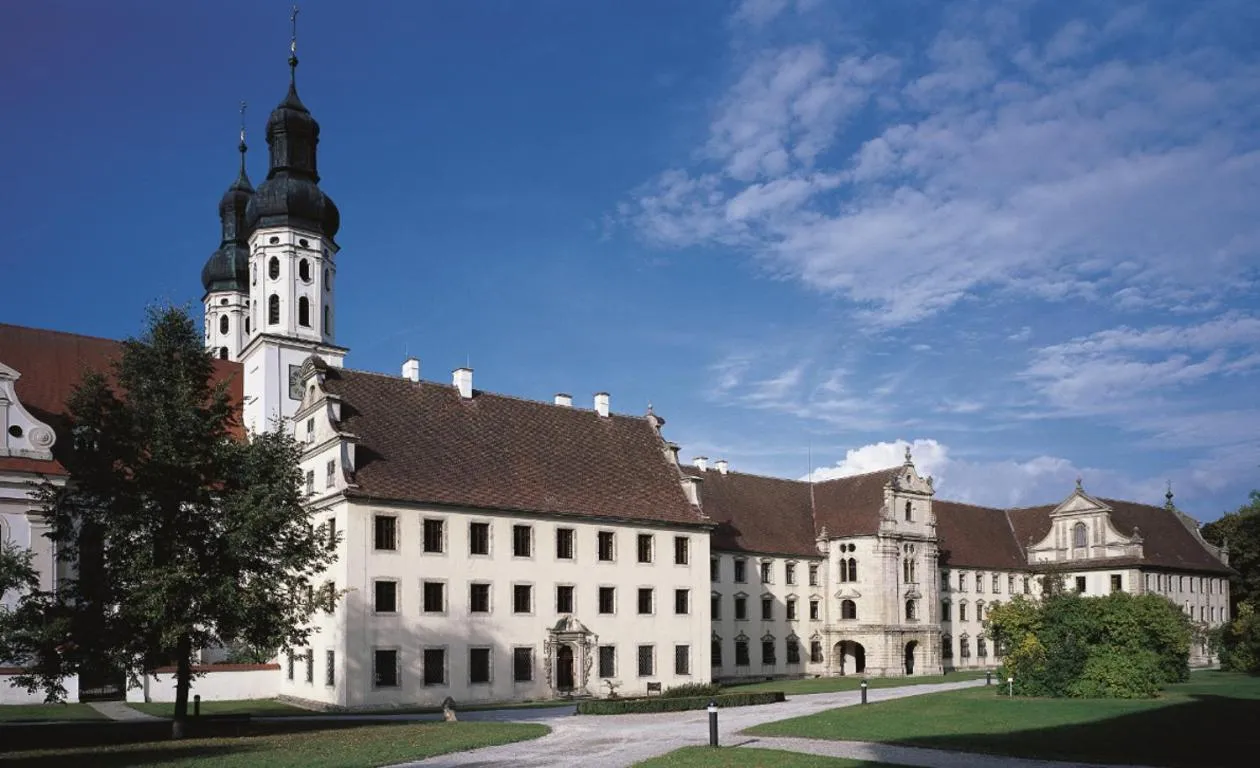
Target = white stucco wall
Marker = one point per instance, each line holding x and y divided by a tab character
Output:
214	685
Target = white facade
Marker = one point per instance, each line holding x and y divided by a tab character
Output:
227	323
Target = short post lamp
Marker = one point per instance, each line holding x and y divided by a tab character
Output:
988	677
197	705
713	736
864	686
1010	687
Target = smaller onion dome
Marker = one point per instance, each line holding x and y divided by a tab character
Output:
227	269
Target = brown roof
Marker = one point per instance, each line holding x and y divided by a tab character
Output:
755	513
52	363
422	442
975	537
850	506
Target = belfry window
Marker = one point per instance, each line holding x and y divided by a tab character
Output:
273	310
223	353
327	320
304	312
273	268
223	324
304	270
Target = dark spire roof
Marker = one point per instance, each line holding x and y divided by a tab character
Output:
291	196
227	269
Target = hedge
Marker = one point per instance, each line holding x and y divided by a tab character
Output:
663	704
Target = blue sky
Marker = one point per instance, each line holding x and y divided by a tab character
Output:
1022	238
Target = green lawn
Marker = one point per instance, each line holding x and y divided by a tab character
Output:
363	746
259	707
742	757
849	683
18	713
1199	723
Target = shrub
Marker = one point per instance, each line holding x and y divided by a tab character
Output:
1111	673
692	689
1238	642
664	704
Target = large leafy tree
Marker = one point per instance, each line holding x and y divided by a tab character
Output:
1241	531
185	534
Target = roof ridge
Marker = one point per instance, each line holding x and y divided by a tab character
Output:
60	333
1003	510
885	471
706	472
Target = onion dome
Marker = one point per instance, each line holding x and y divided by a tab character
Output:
227	269
290	196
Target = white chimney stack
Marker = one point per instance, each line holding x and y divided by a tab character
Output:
411	369
463	381
701	462
601	403
564	399
721	466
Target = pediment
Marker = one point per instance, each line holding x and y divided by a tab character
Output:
1079	503
567	625
848	594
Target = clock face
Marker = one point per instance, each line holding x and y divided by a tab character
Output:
295	382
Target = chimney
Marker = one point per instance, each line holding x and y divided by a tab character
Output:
463	381
565	399
721	466
601	403
701	462
671	450
411	369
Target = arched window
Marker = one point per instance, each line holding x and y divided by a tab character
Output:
327	320
909	512
223	353
1080	537
853	569
848	609
304	270
223	324
910	611
304	311
273	268
273	309
947	647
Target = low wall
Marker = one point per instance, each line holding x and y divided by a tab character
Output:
221	682
11	695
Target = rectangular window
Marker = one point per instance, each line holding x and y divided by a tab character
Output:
385	668
1010	583
715	653
310	665
330	478
813	575
962	582
741	571
564	598
947	647
945	611
1027	587
522	598
815	652
645	600
386	530
478	598
980	582
478	665
1115	582
607	599
478	538
767	653
1080	584
332	533
433	536
310	482
644	547
814	608
647	660
522	541
997	584
330	667
793	652
682	550
767	609
386	594
682	601
435	666
789	573
962	611
766	573
434	597
608	661
715	566
741	653
791	610
522	665
682	659
606	549
564	543
310	430
741	608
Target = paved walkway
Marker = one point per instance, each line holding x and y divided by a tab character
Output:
616	741
117	710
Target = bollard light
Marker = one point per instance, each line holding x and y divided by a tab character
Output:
713	735
1010	687
988	677
197	705
864	685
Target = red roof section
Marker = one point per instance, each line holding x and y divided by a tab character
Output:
421	442
850	506
52	363
975	537
754	513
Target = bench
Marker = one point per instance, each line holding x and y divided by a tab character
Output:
653	688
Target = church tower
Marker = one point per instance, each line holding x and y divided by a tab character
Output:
226	273
292	225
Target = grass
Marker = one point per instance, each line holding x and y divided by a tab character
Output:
741	757
848	683
257	707
356	746
27	713
1198	723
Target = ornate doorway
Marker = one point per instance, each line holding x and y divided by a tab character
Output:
569	654
564	669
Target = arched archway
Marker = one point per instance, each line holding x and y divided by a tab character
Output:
910	649
849	657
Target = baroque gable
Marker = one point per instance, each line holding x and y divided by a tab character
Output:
1081	528
22	435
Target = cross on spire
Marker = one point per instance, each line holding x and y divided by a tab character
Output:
293	59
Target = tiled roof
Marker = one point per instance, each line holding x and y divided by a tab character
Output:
52	363
850	506
754	513
975	537
423	443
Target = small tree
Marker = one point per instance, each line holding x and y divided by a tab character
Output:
1238	642
184	535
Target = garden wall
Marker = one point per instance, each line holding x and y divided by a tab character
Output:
221	682
11	695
